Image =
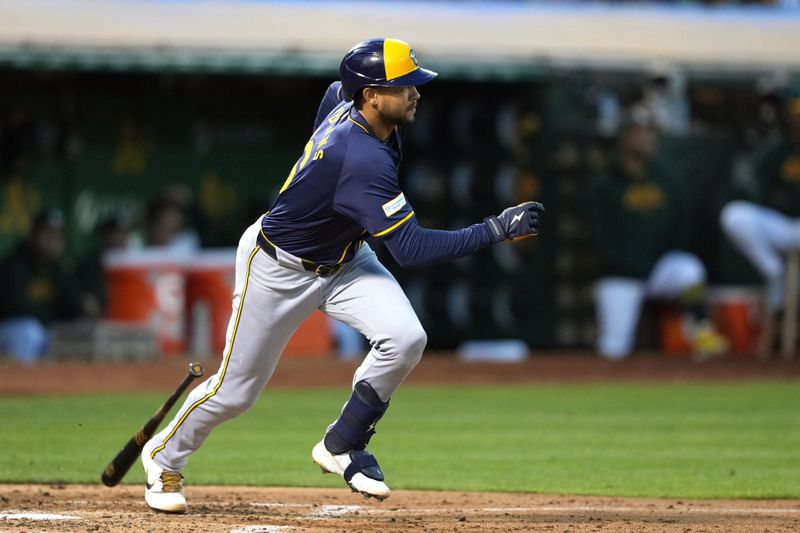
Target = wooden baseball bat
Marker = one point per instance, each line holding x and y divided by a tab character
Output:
123	461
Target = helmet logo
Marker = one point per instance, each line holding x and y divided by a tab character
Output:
413	56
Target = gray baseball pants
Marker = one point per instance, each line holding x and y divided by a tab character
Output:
271	299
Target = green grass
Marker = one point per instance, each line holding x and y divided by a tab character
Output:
676	440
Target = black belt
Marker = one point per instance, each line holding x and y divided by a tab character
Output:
322	271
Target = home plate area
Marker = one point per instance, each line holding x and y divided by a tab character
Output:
267	510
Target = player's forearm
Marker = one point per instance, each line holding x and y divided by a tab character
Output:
413	246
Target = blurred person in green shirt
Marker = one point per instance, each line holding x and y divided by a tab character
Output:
639	215
110	233
36	290
767	225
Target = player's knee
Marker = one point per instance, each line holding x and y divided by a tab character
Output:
735	217
693	272
412	344
405	343
415	339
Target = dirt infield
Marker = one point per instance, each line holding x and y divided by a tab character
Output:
265	510
80	377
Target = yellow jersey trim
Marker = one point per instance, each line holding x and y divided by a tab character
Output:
394	226
267	238
357	124
273	245
349	244
224	365
397	58
307	260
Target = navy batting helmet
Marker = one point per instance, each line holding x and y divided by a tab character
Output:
381	63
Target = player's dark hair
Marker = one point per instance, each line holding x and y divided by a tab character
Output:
159	205
47	218
358	98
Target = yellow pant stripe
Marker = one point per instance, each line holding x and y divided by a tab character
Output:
224	366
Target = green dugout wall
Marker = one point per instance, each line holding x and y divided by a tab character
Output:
100	143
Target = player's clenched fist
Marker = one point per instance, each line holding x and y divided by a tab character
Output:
515	222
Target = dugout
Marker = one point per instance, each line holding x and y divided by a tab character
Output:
101	125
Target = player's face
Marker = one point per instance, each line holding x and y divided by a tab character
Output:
637	148
398	105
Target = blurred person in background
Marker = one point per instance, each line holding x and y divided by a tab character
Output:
37	290
110	233
640	214
664	100
767	225
19	200
164	227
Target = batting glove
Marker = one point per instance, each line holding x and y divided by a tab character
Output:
518	222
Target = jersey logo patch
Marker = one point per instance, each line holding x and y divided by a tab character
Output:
393	206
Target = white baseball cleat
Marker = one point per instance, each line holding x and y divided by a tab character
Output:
164	488
358	468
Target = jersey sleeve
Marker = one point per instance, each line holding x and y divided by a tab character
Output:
413	246
332	98
368	192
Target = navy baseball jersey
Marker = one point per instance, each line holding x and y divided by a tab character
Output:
345	187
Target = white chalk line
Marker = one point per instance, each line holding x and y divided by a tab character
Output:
325	512
330	511
333	511
279	505
590	509
36	516
599	509
262	529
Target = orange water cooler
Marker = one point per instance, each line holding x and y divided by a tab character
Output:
210	279
738	314
146	287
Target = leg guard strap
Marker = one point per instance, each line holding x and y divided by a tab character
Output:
356	425
365	463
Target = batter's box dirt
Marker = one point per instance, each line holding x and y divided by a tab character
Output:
267	510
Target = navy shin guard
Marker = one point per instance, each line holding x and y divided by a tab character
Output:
354	427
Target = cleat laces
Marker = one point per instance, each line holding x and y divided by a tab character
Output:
171	481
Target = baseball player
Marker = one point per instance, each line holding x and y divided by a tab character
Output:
766	229
638	215
308	252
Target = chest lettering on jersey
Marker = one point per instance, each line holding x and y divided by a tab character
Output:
320	152
394	205
337	115
643	197
41	290
790	169
309	148
300	164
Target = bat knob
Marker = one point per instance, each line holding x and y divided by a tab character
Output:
196	369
